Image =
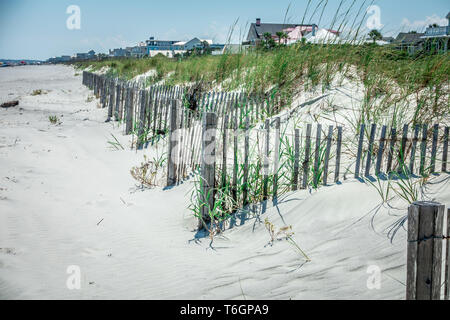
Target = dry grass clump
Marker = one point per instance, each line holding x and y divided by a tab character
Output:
38	92
147	173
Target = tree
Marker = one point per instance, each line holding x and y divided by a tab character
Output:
375	35
281	36
268	40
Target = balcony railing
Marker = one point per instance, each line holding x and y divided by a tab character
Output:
437	31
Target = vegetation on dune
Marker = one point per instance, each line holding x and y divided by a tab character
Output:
389	76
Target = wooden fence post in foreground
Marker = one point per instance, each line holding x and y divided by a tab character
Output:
447	261
173	145
424	261
208	170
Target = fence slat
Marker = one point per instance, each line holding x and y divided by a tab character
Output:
445	150
413	149
447	261
129	112
370	150
295	176
141	122
276	157
391	150
380	151
327	155
360	149
423	149
224	153
235	160
317	155
434	148
403	150
266	161
338	155
246	162
307	156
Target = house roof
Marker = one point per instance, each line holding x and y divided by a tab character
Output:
409	37
257	32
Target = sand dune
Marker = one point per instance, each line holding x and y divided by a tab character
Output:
66	199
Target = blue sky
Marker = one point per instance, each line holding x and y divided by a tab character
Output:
36	29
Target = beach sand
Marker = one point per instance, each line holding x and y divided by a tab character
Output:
68	199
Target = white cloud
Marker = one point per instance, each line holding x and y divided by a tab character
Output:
420	25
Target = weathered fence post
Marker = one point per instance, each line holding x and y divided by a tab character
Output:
447	261
370	150
306	162
327	155
413	149
266	160
235	162
276	157
296	160
338	154
424	259
434	148
208	169
129	111
141	122
403	151
360	149
445	150
423	149
380	151
317	159
246	161
173	145
224	153
391	150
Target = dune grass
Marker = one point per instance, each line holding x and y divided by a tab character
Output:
389	77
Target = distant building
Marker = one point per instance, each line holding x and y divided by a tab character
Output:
438	37
409	41
65	58
258	29
170	48
61	59
118	53
138	51
164	47
323	36
84	56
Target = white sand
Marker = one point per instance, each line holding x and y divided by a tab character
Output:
58	182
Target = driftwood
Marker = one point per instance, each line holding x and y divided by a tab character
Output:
10	104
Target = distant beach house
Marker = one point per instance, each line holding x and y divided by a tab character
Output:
438	36
171	48
138	51
434	38
409	41
164	47
60	59
84	56
295	32
118	53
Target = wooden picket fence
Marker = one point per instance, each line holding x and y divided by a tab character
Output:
145	110
228	123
